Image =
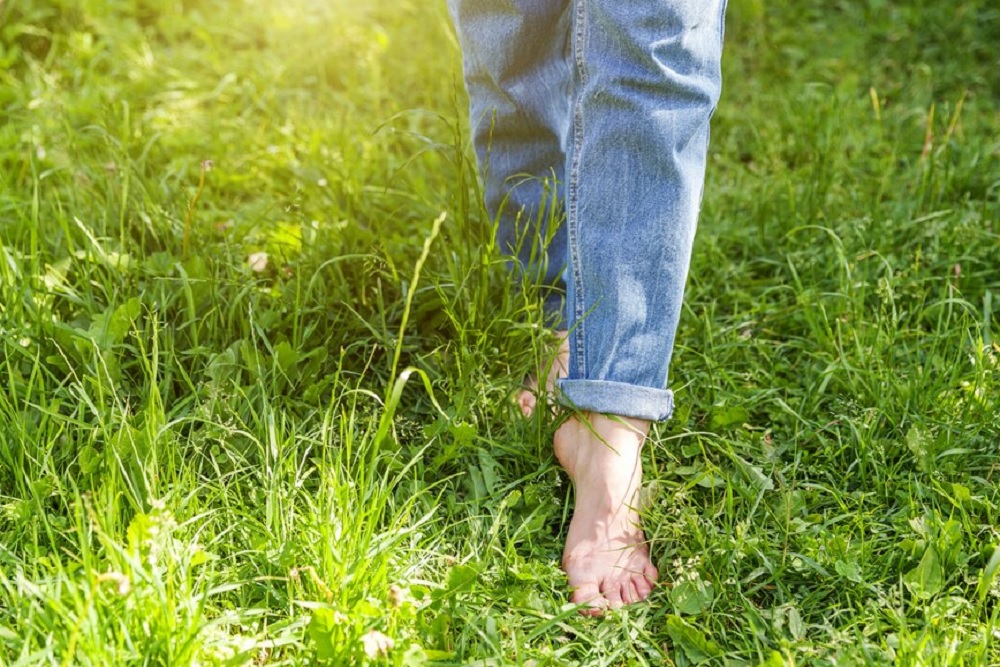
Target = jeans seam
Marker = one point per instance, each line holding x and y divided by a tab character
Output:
572	194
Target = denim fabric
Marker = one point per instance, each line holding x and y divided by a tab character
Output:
608	102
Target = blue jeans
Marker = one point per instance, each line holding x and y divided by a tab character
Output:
603	107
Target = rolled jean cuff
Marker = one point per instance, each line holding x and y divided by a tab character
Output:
617	398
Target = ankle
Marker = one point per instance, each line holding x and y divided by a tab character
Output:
593	447
612	437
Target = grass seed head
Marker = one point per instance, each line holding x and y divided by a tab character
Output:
397	596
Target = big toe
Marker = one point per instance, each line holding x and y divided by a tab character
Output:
589	596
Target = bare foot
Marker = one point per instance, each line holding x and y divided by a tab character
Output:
553	368
606	558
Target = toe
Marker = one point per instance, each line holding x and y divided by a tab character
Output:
642	586
613	594
589	594
651	574
526	400
630	595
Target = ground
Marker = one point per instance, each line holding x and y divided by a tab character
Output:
260	357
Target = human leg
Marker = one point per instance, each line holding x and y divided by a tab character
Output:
518	78
646	82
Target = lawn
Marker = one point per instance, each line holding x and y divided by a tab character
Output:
258	350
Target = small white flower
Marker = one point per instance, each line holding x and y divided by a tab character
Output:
258	262
377	644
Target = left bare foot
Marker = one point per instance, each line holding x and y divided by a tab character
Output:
555	367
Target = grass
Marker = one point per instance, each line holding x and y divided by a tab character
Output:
213	456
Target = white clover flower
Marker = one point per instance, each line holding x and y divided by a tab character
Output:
377	644
258	262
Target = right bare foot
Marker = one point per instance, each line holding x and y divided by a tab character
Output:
553	368
606	558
